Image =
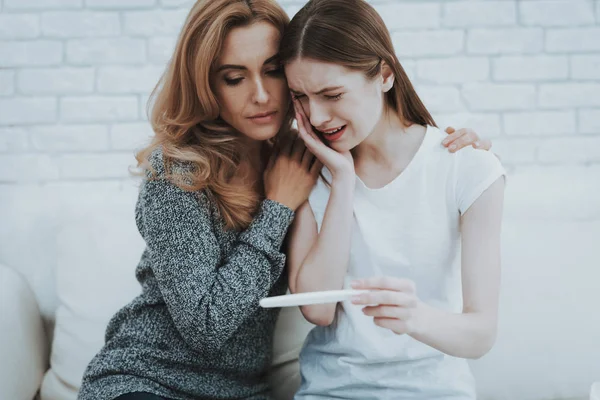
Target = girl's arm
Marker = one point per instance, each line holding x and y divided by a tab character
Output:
319	260
469	334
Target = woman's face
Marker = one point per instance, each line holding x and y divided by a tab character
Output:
343	105
249	81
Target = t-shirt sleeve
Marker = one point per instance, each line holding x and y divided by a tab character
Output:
319	197
475	172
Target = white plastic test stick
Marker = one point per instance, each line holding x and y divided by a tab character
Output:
304	299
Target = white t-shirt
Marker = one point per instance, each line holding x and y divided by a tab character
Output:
407	229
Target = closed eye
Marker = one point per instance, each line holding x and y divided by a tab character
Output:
334	97
233	82
276	72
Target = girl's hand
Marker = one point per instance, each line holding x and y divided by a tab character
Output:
392	302
291	173
338	163
457	139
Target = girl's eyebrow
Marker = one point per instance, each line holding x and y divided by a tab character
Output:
327	89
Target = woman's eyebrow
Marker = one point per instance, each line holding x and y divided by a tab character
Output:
244	68
271	59
231	66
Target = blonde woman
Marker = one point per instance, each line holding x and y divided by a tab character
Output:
214	211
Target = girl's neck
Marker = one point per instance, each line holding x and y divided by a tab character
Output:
384	142
388	150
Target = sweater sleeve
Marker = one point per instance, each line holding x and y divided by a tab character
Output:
209	295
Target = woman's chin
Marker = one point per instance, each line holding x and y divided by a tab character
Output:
262	134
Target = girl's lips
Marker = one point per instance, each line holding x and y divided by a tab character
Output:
333	136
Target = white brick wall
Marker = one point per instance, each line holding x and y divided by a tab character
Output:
117	51
55	81
508	68
553	13
430	43
75	24
7	83
530	68
18	53
17	26
75	77
466	14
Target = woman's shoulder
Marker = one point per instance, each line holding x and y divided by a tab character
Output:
162	166
166	179
156	162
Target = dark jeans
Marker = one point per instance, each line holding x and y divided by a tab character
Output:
140	396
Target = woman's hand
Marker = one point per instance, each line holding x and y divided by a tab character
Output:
338	163
291	173
392	302
457	139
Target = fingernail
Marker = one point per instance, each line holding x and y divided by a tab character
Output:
355	283
477	144
453	147
356	299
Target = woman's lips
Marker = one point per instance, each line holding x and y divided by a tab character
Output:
263	118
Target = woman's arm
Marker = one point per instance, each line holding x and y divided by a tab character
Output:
471	333
209	295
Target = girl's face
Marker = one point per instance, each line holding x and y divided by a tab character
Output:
343	105
249	81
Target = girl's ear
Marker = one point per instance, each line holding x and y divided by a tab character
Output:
387	76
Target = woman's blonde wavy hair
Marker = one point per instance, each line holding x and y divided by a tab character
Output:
185	111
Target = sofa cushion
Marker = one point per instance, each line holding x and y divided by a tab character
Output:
97	252
290	331
23	346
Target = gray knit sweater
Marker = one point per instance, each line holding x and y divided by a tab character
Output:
196	331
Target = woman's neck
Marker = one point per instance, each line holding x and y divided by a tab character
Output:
252	164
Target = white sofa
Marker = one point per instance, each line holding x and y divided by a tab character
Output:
549	337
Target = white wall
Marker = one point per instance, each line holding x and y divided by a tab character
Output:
74	79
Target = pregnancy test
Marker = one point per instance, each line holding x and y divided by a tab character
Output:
304	299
